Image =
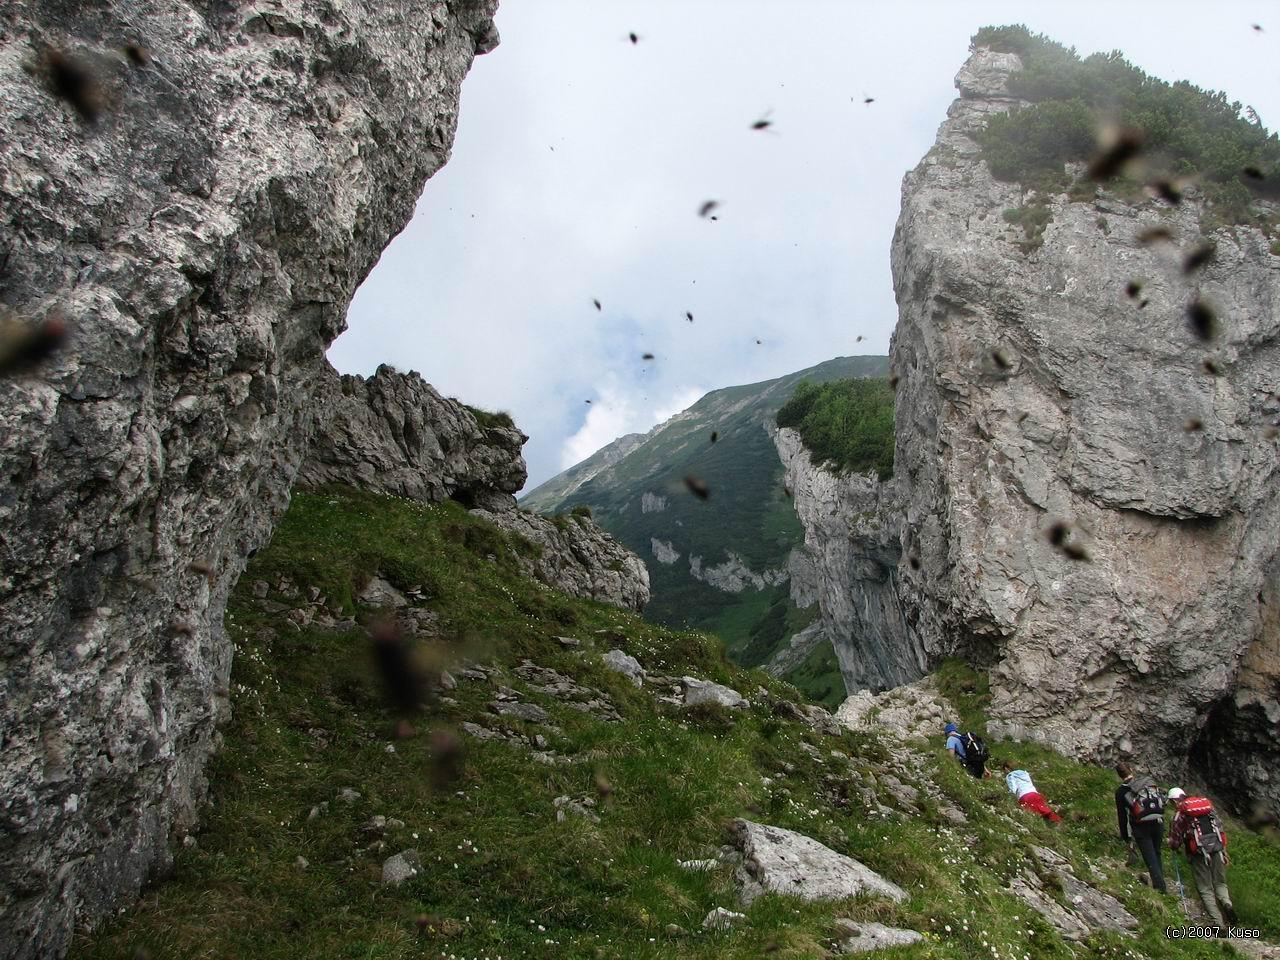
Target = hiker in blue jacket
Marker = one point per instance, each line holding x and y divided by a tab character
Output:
971	751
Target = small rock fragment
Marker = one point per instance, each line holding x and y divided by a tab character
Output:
705	691
521	711
721	919
399	868
626	665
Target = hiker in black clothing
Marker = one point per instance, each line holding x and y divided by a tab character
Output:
1140	811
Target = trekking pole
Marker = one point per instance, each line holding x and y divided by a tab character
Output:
1177	872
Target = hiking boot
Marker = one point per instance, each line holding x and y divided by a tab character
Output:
1229	911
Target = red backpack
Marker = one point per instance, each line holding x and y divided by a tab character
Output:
1206	836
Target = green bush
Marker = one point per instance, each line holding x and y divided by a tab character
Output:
1033	218
1033	143
581	510
847	421
1188	131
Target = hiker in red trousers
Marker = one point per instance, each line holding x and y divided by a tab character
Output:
1020	785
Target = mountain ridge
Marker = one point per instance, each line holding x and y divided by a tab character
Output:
721	564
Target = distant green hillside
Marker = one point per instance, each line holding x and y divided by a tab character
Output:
642	499
548	497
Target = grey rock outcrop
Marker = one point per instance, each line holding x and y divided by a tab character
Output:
802	567
732	575
379	593
625	664
799	647
852	547
393	433
202	239
1087	910
914	711
1161	639
706	691
864	936
576	556
664	551
775	860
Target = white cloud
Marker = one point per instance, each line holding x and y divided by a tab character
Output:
683	399
611	415
581	160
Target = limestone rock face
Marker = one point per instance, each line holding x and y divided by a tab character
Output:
1088	911
1160	640
851	555
393	433
734	576
797	650
913	711
578	557
202	240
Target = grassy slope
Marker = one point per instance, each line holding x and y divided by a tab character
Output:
502	877
747	513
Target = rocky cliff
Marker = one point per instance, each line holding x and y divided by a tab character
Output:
393	433
1031	392
197	190
851	542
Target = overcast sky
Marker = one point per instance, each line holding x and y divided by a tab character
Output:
581	161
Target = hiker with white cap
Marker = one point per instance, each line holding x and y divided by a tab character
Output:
1198	830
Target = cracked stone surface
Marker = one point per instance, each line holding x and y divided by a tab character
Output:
202	240
865	936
